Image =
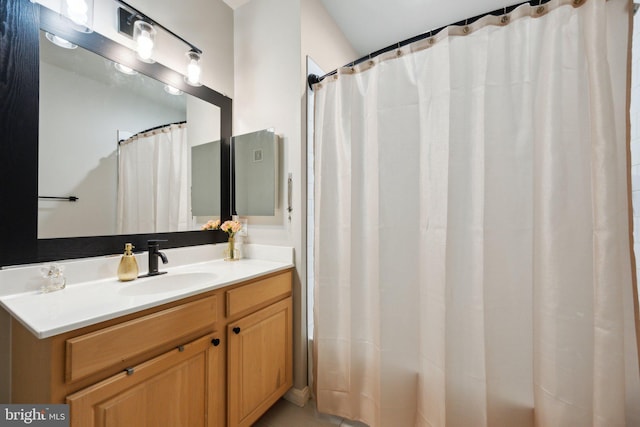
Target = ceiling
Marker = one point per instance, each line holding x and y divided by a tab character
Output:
371	25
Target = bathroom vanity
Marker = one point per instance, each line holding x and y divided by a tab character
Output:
217	352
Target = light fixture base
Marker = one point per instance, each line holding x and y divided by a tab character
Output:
126	20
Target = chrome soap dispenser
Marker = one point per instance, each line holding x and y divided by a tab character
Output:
128	268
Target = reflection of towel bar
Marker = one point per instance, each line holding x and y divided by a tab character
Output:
68	199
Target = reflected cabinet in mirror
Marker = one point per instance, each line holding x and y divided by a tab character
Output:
205	181
255	173
119	145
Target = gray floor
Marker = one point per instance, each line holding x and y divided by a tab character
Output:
286	414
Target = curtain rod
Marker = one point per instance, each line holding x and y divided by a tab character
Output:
313	78
66	198
153	128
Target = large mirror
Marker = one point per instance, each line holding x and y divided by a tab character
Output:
90	107
19	164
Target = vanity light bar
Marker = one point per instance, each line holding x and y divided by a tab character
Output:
127	18
142	29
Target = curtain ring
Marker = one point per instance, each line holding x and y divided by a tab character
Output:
465	30
505	17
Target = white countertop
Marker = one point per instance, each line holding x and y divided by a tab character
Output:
91	302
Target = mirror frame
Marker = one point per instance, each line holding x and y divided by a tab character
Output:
19	123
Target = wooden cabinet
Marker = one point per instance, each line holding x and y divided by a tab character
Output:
168	390
95	351
259	362
180	364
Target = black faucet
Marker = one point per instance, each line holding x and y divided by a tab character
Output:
154	253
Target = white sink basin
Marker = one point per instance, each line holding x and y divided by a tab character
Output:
167	282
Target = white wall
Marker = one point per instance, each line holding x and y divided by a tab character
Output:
267	72
272	40
267	61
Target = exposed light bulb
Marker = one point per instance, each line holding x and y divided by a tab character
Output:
193	69
193	72
78	11
144	35
145	45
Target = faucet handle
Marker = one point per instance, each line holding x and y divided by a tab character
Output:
155	242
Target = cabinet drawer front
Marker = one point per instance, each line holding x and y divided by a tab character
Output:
249	297
117	344
169	389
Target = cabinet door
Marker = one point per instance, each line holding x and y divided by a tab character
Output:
169	390
259	360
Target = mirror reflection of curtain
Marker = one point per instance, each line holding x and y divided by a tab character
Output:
472	260
153	181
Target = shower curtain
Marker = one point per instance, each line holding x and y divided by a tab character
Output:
472	254
153	182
